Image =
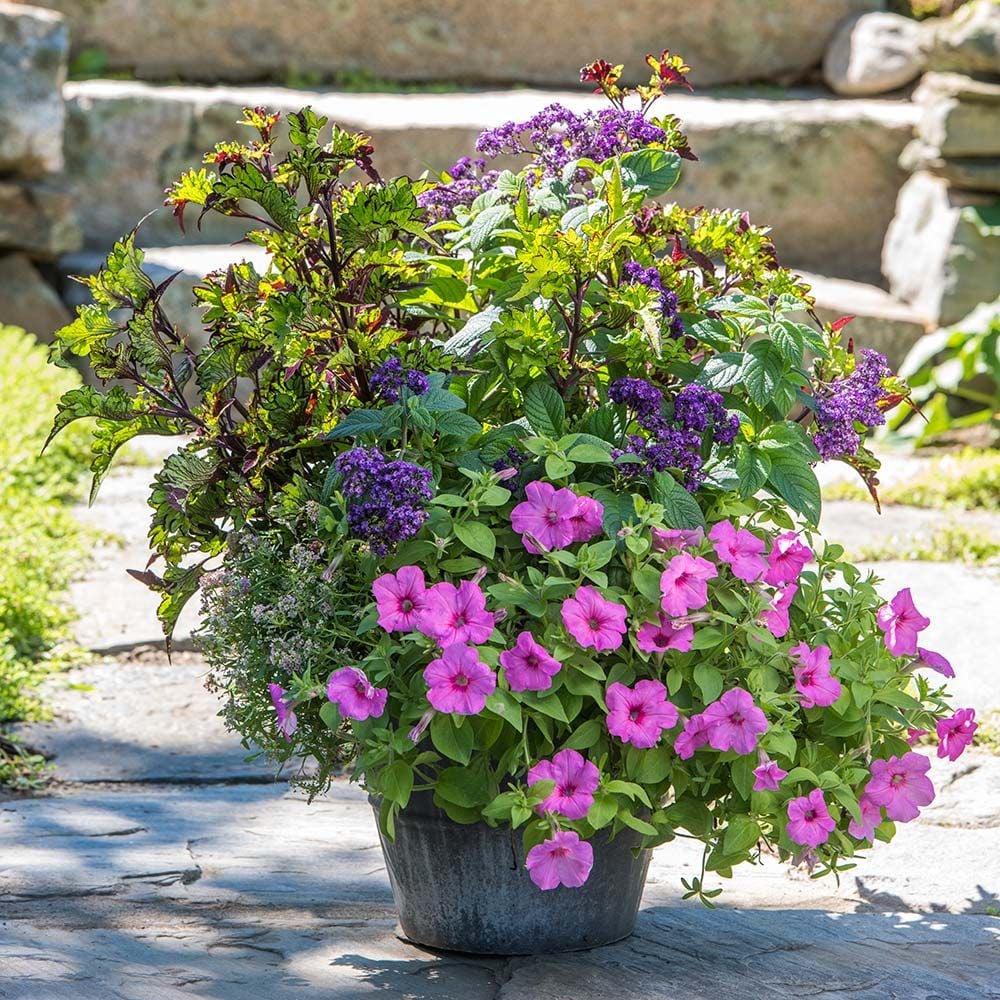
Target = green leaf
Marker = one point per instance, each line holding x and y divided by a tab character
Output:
544	408
585	735
680	508
709	680
502	703
742	833
654	171
359	422
722	371
589	454
330	714
478	537
752	468
762	371
486	223
475	335
795	482
639	825
603	811
652	766
461	786
454	742
396	782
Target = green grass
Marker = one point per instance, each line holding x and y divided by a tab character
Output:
40	542
962	480
953	543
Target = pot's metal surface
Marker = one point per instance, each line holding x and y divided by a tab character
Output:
465	888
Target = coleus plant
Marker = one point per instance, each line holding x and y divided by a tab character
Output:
501	488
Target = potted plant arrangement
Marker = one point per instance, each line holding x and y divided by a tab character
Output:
499	491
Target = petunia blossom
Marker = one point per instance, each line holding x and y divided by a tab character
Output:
809	820
693	737
587	520
458	681
676	538
871	816
775	618
456	614
901	785
593	620
901	622
684	584
956	733
768	776
563	859
934	661
914	736
546	517
740	548
734	722
287	721
658	637
786	560
356	697
639	714
528	666
813	680
401	598
576	781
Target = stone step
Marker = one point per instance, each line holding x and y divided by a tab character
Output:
520	41
880	321
820	171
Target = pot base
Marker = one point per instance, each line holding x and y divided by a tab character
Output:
464	888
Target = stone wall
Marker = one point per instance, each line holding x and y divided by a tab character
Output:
514	41
36	218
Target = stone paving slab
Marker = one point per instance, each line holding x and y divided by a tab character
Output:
115	611
141	719
142	893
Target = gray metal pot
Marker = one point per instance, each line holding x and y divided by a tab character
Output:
465	888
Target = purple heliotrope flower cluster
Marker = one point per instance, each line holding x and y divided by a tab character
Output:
469	179
557	136
387	381
673	442
635	274
850	401
386	501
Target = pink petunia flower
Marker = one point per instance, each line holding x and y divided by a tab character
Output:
593	620
458	681
775	618
768	776
813	680
456	614
546	517
741	549
914	736
287	721
639	714
684	584
528	666
934	661
901	622
658	637
956	733
401	599
564	859
734	722
692	738
786	560
809	820
871	816
576	781
676	538
356	697
901	785
587	520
